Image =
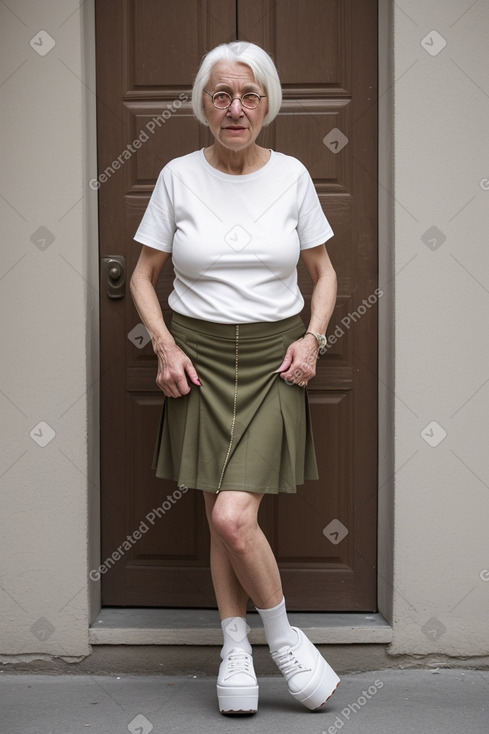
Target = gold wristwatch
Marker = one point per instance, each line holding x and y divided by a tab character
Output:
320	338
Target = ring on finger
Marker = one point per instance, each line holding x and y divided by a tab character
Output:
302	383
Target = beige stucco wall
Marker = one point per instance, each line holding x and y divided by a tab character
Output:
441	180
434	499
48	302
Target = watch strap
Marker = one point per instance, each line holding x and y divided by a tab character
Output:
320	338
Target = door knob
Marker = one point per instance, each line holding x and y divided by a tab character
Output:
115	272
115	275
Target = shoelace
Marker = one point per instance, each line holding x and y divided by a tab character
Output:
288	663
238	662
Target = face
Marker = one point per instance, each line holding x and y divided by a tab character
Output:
237	127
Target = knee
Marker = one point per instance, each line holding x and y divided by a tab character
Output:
234	528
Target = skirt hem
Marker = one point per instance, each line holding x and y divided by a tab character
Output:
238	488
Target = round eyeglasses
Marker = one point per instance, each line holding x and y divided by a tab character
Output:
223	100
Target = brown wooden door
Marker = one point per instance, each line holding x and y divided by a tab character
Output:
154	537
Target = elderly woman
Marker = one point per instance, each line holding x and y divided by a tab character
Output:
235	218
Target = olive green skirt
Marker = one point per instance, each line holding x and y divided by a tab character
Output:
245	428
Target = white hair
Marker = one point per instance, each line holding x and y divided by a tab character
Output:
251	55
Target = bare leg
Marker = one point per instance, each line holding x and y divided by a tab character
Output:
243	565
231	598
241	555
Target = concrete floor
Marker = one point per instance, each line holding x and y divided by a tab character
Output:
444	701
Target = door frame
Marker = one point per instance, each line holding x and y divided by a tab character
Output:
385	547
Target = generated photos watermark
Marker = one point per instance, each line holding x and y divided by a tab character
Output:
131	148
347	712
335	531
140	725
351	318
131	540
237	629
433	434
340	330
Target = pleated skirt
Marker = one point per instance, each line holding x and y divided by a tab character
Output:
244	428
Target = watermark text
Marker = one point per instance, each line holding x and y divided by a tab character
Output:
132	539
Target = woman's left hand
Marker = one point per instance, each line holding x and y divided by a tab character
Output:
299	365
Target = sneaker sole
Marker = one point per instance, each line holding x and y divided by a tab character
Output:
327	685
237	699
328	696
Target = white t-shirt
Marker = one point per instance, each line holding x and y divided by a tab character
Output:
235	240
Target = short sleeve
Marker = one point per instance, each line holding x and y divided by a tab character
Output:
157	226
313	228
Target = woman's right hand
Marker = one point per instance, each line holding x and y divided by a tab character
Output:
175	369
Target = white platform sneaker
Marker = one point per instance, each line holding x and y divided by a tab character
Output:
309	677
237	687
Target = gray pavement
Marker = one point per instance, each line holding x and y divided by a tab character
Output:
443	701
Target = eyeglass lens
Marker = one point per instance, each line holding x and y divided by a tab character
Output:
222	100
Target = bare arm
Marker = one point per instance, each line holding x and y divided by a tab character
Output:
174	367
320	268
300	361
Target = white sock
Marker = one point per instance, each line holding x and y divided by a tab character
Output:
235	632
278	631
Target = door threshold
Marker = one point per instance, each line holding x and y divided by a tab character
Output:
143	626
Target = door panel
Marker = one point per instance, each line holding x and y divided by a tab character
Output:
147	54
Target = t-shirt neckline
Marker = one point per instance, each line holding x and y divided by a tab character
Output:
236	176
